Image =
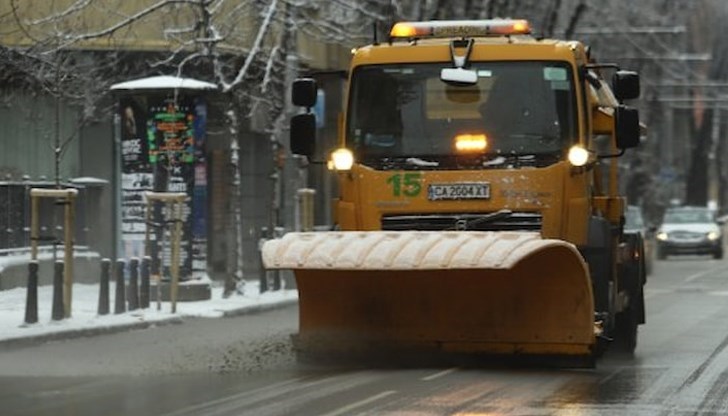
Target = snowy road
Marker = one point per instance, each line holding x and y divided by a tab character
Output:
244	365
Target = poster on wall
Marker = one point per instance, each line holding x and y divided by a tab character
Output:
133	134
162	150
136	175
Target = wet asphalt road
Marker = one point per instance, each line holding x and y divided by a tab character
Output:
244	365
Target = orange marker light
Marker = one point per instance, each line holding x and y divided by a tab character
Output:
471	143
403	30
460	28
521	26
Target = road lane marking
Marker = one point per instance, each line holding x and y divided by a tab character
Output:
696	276
651	292
352	406
212	404
440	374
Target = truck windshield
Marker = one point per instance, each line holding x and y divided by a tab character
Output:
404	116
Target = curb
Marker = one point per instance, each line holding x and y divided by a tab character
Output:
250	310
86	332
106	330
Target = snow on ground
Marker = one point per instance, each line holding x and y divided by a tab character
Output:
84	314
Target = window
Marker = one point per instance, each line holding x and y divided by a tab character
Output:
523	108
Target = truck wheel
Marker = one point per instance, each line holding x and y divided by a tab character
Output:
627	321
718	254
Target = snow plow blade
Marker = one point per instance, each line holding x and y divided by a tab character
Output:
464	292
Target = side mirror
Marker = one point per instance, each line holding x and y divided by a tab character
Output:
626	85
304	92
303	134
459	76
627	127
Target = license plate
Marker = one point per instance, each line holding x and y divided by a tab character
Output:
469	190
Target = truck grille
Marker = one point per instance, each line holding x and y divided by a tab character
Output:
517	221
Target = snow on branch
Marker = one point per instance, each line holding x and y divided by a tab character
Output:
131	19
226	87
269	69
74	8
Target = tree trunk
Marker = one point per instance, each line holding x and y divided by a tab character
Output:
697	181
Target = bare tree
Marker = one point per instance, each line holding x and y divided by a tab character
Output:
707	141
250	50
245	47
71	79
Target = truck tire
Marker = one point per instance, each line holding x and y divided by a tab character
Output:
628	321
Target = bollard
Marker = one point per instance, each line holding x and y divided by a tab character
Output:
31	301
157	272
104	287
276	280
263	279
120	303
263	286
133	297
144	288
58	311
305	214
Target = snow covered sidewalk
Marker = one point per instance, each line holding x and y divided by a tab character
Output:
86	321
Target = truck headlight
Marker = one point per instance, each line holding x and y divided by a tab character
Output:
578	156
662	236
713	235
342	159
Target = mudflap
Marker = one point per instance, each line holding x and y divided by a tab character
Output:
470	293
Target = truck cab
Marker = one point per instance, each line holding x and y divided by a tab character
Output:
479	126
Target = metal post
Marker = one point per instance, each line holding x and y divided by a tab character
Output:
31	301
277	280
68	196
133	284
34	225
263	287
159	291
144	288
57	310
104	287
177	215
147	226
68	253
175	201
120	303
306	208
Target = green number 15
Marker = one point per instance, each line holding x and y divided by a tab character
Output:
409	184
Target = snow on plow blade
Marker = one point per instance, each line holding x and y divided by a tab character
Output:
473	292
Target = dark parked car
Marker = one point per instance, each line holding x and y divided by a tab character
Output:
635	224
689	230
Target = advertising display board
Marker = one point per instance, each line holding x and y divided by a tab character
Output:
162	150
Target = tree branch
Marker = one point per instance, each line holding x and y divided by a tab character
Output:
254	50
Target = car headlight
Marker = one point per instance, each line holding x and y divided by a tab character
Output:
713	235
662	236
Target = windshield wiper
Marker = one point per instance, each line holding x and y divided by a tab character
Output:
464	225
444	162
403	162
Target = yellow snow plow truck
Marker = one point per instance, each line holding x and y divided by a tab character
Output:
478	206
